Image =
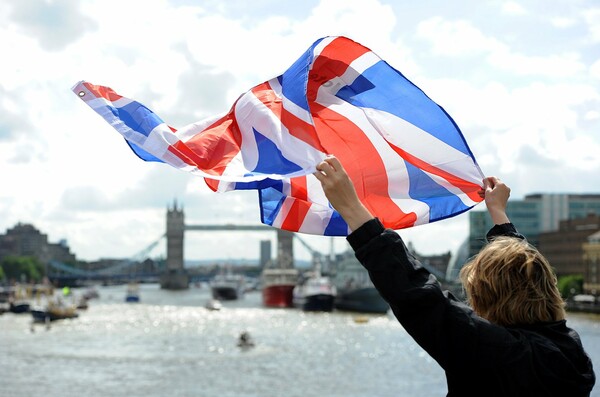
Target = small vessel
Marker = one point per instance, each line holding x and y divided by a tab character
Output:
278	286
52	310
19	306
213	304
355	291
245	341
91	293
227	286
19	299
133	293
315	292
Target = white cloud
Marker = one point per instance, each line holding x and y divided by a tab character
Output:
456	38
563	65
513	8
461	38
54	25
592	20
592	115
563	22
595	70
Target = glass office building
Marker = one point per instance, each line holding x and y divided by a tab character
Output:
535	214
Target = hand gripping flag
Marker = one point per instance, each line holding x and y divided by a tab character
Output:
408	160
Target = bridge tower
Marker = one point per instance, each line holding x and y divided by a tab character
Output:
285	249
175	277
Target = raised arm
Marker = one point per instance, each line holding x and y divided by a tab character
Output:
496	195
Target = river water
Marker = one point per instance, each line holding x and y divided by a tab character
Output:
168	344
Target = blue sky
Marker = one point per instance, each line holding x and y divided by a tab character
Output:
520	78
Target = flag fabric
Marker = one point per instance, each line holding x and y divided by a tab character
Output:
408	159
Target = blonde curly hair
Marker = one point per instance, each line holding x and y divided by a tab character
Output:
510	283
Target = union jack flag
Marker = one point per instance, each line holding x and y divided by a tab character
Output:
408	159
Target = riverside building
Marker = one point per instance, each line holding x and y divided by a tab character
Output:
539	217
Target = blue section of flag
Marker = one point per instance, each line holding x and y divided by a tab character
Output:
337	226
271	200
141	153
383	88
262	184
441	202
270	158
293	81
138	117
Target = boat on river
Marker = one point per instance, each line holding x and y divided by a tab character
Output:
227	286
133	293
278	286
19	299
355	291
315	292
213	305
53	309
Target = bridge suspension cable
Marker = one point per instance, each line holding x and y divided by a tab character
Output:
107	271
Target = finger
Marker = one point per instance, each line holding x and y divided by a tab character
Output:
490	183
325	167
334	163
319	175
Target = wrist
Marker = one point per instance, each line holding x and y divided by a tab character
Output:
499	217
356	216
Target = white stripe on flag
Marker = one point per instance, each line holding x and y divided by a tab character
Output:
283	212
290	106
423	145
252	114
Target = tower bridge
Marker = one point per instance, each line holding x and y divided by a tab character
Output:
175	276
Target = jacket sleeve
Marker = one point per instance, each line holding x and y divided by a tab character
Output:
446	328
506	229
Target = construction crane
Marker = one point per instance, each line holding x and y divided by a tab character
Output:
316	255
320	260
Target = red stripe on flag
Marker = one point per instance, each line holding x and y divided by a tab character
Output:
296	214
103	92
213	184
332	62
469	188
361	160
299	188
296	126
212	149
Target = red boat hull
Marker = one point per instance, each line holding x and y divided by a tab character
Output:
278	295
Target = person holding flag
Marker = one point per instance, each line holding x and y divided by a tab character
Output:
512	340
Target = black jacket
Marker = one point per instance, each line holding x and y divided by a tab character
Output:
479	358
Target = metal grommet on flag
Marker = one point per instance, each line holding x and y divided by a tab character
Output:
81	94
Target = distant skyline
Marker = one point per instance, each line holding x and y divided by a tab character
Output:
520	78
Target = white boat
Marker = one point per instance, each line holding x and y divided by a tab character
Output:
133	293
227	286
315	292
213	304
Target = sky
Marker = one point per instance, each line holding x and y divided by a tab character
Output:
521	79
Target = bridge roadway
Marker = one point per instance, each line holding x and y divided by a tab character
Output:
231	226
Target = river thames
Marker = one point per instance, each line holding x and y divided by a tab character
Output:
168	344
